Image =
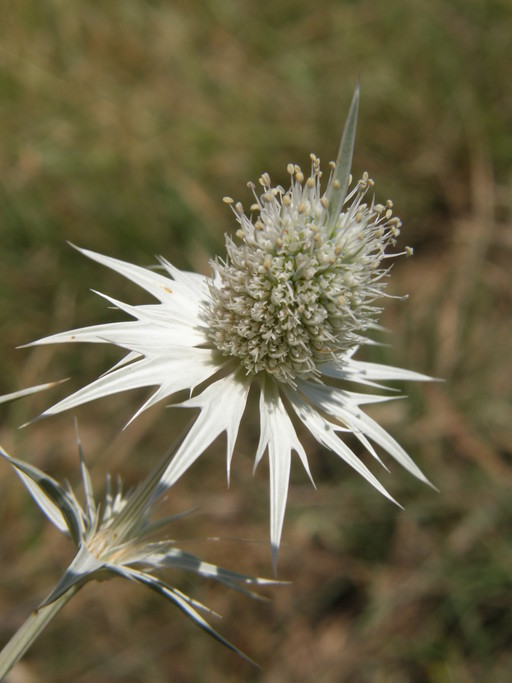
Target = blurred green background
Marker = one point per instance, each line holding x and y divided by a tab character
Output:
122	126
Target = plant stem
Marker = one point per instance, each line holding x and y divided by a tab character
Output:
30	630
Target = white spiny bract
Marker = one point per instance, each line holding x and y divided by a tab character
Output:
116	537
285	311
15	396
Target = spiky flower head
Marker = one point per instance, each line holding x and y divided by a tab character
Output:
298	291
117	537
286	310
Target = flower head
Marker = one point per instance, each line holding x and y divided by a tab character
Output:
285	311
298	292
117	538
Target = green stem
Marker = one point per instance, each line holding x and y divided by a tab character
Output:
30	630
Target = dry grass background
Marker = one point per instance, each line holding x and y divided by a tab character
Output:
122	126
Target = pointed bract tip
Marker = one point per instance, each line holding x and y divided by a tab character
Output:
337	190
275	550
8	398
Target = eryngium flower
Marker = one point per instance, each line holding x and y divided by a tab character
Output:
117	537
285	311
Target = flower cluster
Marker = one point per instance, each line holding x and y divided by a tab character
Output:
297	292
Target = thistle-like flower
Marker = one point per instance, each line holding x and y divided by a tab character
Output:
285	311
114	538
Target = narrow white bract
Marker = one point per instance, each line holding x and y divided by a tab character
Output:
286	310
